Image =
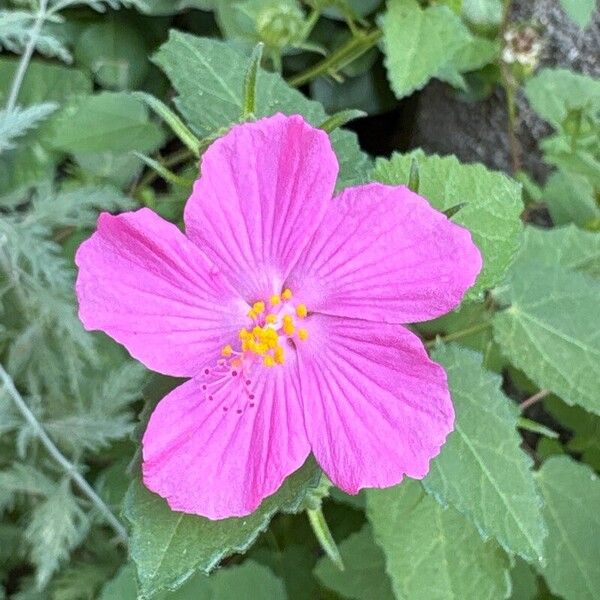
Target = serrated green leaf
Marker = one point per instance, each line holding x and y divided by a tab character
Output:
572	495
492	210
107	122
17	122
553	92
168	547
419	44
434	553
364	576
580	11
209	78
546	330
481	470
567	247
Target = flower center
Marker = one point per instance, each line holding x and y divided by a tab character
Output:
274	322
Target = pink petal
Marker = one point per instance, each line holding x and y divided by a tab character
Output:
263	191
146	285
221	457
375	407
382	253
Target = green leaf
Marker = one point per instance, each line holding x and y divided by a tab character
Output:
546	330
168	547
580	11
568	247
572	495
231	583
107	122
419	43
493	205
364	576
115	52
570	199
171	7
434	553
524	582
34	159
481	470
209	78
584	427
552	93
482	14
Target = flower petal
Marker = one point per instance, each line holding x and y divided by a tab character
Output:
376	407
263	191
382	253
220	456
146	285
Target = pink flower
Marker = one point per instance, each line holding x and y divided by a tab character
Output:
284	307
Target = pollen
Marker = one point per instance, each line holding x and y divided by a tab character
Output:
288	325
258	307
301	311
303	334
275	300
268	361
287	294
227	351
271	319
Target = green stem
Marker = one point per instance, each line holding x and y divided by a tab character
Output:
356	46
27	54
56	454
323	534
457	335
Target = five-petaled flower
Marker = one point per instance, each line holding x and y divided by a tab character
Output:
284	308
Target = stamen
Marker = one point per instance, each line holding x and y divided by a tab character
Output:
227	351
288	325
268	361
275	300
303	334
301	311
271	319
287	294
258	307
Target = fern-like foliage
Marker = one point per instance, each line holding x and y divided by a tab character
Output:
17	122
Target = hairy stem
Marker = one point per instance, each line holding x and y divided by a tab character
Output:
24	62
56	454
356	46
323	534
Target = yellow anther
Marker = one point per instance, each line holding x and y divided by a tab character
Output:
258	307
244	334
268	361
227	351
303	334
278	355
251	314
288	325
275	299
287	294
236	362
301	310
271	319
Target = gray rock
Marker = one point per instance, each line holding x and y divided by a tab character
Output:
477	131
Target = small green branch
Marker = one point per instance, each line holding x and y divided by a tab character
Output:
457	335
356	46
56	454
